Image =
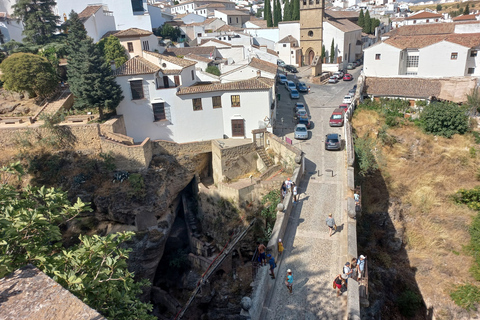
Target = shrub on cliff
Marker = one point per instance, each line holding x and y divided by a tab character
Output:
95	270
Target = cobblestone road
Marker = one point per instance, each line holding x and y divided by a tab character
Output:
314	257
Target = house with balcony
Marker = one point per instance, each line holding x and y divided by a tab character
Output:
164	99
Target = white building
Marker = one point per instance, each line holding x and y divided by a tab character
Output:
164	100
347	40
127	13
236	18
136	40
441	50
423	17
202	7
289	51
97	20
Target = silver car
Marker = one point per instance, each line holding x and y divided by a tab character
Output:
301	132
290	85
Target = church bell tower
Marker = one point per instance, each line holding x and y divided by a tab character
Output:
311	33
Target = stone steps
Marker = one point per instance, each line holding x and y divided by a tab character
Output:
265	158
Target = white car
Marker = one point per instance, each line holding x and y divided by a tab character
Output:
333	79
347	99
301	132
290	85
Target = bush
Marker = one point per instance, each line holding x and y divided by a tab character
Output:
444	119
409	303
365	155
213	70
466	296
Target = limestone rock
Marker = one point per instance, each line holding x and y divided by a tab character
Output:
246	303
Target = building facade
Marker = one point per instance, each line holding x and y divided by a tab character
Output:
311	33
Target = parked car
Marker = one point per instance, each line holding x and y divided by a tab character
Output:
351	92
347	77
333	79
282	79
291	68
280	63
333	141
301	113
350	66
354	87
347	99
301	132
337	118
294	94
344	107
298	106
290	85
339	74
302	87
305	121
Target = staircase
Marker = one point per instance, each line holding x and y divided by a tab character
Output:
265	158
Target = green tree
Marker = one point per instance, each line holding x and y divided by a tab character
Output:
213	70
169	32
332	52
374	23
460	11
473	101
361	19
26	72
259	13
364	147
323	52
277	10
367	25
467	10
287	11
439	7
444	119
95	270
268	13
112	50
90	78
296	10
39	21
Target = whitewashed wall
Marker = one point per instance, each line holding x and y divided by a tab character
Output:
435	60
388	65
99	24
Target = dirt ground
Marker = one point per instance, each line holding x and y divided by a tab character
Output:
14	105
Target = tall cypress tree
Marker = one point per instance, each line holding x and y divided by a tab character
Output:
277	12
374	23
361	19
90	78
296	10
367	26
267	13
467	10
287	13
332	51
39	21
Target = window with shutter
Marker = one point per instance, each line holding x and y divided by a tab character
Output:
137	89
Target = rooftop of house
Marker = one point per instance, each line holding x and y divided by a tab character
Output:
227	28
234	12
211	5
182	63
28	293
132	32
288	39
263	65
465	17
202	1
451	89
353	15
424	15
201	51
136	66
226	44
196	57
429	28
203	23
287	22
258	83
344	25
259	23
469	40
88	12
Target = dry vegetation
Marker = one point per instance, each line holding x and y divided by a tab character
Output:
421	172
447	7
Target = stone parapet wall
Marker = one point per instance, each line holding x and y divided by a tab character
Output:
173	148
285	153
129	157
114	125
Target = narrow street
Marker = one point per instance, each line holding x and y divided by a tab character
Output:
314	257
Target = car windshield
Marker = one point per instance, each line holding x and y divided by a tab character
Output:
282	77
332	140
347	98
294	91
291	84
302	113
336	116
301	129
301	84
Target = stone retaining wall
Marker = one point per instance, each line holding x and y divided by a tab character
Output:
133	158
173	148
285	153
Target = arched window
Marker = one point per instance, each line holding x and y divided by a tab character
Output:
310	33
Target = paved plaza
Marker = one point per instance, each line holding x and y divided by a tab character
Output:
314	257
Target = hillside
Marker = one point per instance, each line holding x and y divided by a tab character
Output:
448	7
411	231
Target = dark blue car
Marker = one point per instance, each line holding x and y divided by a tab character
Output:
302	87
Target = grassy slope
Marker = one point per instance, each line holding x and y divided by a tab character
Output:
422	171
447	7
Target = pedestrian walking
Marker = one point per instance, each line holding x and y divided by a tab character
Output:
331	224
284	190
288	184
280	246
273	265
294	187
361	266
339	283
347	270
261	254
289	281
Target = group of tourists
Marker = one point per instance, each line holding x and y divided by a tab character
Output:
289	186
354	269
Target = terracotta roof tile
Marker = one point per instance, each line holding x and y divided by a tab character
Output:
132	32
465	17
250	84
272	52
424	15
288	39
422	29
451	89
259	23
88	12
175	60
201	51
136	65
234	12
109	33
263	65
226	28
196	57
344	25
342	14
468	40
216	41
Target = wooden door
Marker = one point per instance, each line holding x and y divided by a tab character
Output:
238	128
311	56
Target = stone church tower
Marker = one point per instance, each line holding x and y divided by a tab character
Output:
311	33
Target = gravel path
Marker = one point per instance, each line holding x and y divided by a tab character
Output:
314	257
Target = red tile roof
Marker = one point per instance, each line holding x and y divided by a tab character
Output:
183	63
201	51
132	32
288	39
352	15
234	12
88	12
216	41
468	40
422	29
465	17
259	83
424	15
197	57
226	28
259	23
344	25
263	65
135	66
